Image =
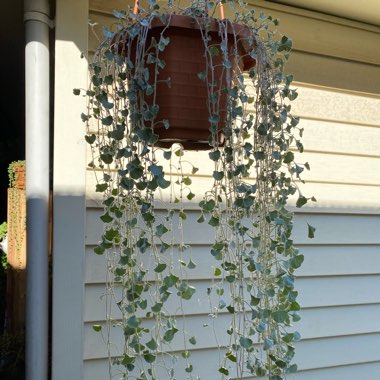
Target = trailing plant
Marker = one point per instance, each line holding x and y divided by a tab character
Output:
145	184
14	169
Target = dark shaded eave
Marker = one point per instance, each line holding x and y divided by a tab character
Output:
365	11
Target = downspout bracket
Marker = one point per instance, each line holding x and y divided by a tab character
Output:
39	16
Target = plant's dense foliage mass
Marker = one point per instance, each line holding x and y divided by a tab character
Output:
253	176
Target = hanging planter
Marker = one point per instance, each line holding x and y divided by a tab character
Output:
183	97
179	75
17	175
191	84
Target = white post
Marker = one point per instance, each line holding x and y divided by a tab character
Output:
37	103
69	213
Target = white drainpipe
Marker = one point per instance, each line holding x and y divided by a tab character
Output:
37	103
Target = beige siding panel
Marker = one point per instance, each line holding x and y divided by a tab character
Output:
190	159
331	229
336	106
315	323
344	197
109	5
332	197
345	182
296	8
331	72
318	135
313	292
95	302
330	36
327	204
329	39
325	167
333	168
348	139
330	352
338	321
319	292
319	261
311	354
366	371
339	260
366	10
341	190
310	33
322	70
322	103
195	326
96	265
331	291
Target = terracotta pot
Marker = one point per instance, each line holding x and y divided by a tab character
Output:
185	102
19	182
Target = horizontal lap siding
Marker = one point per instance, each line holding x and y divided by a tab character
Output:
315	292
316	323
328	37
332	229
96	370
344	157
339	287
328	105
320	260
339	282
365	371
312	355
330	72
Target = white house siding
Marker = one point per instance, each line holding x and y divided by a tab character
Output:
337	67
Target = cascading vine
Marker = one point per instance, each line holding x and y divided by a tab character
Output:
253	228
253	170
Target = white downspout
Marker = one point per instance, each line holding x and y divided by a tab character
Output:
37	107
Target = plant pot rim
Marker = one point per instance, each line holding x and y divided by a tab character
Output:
243	33
193	133
189	22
